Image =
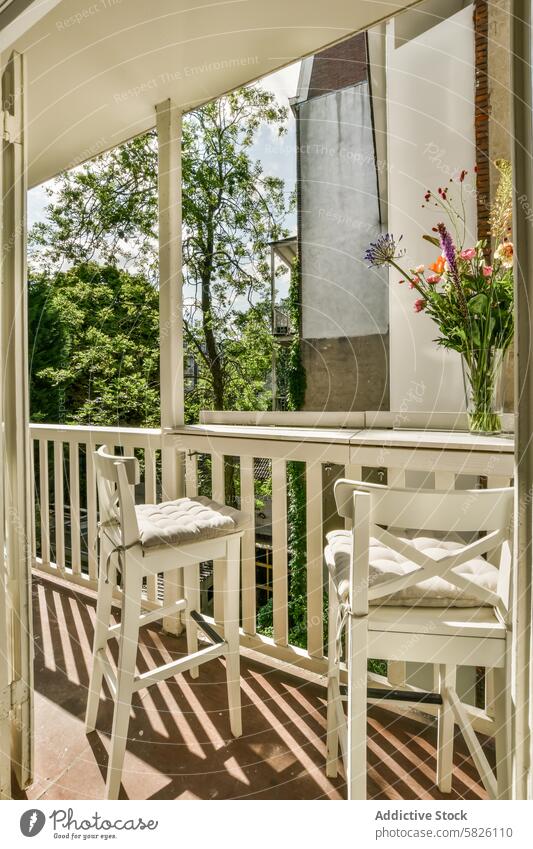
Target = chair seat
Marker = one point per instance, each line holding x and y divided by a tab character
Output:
386	564
481	622
186	520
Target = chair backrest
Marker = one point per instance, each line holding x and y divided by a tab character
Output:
374	509
115	478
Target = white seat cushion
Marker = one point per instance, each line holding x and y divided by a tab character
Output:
185	520
386	563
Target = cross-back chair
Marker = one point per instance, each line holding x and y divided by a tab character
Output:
441	598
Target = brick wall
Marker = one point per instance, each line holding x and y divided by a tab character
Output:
482	116
339	66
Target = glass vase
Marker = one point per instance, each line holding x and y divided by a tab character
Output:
483	376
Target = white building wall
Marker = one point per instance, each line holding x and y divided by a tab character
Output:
341	296
430	113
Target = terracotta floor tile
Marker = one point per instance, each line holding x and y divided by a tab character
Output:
180	746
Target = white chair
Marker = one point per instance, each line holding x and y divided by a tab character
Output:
146	540
434	599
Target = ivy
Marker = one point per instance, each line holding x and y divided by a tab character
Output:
295	377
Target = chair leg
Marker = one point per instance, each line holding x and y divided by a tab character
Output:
231	595
103	617
356	742
502	737
332	731
192	595
129	635
446	728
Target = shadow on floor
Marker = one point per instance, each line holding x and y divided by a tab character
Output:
179	743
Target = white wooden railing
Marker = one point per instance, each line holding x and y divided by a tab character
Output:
66	507
66	517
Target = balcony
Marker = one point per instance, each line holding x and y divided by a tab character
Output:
281	325
179	743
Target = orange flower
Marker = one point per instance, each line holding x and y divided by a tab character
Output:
438	266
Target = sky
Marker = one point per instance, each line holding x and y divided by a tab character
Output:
278	155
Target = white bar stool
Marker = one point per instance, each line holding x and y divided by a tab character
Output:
146	540
428	598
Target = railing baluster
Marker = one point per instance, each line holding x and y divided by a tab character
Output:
497	481
444	480
279	552
396	669
396	478
191	475
149	476
315	557
150	497
249	590
74	491
91	513
218	494
59	506
493	482
352	473
34	494
44	506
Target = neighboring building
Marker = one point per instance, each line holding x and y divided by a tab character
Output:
345	311
372	135
190	373
430	61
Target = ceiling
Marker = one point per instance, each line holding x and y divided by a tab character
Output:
96	68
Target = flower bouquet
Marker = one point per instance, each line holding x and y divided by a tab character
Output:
466	292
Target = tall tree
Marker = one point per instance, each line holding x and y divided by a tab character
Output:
106	211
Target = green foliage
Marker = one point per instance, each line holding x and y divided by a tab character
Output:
297	532
93	337
296	483
295	372
245	362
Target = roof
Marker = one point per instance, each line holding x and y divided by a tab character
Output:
286	249
94	72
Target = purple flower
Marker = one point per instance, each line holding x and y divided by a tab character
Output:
448	250
450	255
383	250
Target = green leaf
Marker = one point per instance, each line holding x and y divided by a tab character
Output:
478	304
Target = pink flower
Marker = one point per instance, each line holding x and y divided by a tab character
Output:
411	284
487	270
433	279
419	269
469	253
419	305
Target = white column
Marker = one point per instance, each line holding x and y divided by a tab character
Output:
523	239
168	122
170	288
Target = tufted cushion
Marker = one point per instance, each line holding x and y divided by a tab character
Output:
185	520
386	563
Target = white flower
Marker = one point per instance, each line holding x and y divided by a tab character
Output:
505	253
